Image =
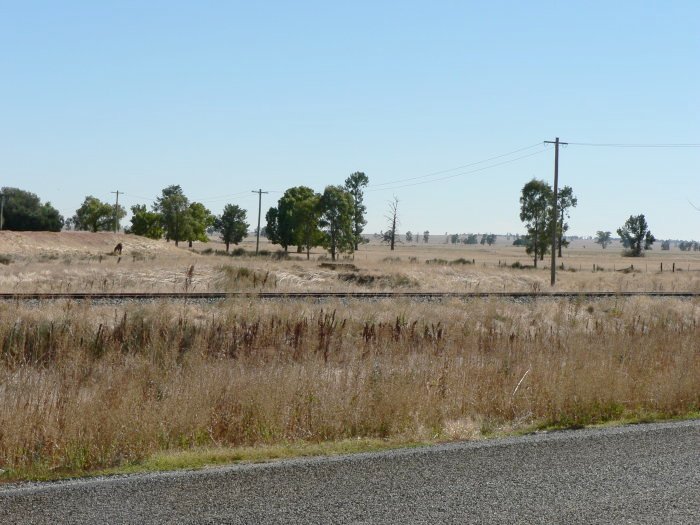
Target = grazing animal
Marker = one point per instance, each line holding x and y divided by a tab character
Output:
118	249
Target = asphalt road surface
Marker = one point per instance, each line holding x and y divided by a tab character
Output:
636	474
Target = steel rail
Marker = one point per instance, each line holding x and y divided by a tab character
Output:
53	296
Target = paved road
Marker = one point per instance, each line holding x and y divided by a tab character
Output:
638	474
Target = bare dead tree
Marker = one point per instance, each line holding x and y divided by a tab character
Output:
392	217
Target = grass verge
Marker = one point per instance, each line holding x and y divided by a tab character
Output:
209	457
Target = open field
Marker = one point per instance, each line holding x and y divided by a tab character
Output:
86	387
78	261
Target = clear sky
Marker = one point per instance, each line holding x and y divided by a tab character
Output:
227	97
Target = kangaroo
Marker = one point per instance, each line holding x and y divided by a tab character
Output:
118	249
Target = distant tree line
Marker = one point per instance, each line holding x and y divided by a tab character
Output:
304	219
174	217
334	219
472	238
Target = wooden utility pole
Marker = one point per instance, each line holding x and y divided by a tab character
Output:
257	240
116	212
555	207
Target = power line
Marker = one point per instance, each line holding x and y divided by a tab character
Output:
138	196
620	145
223	197
460	174
457	168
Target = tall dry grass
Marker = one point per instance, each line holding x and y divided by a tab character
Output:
86	387
431	267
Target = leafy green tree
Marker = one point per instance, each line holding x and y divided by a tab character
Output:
454	238
286	222
272	227
172	206
336	220
145	223
353	185
635	235
232	225
536	213
409	236
565	201
426	236
603	238
23	211
95	215
307	215
198	219
666	245
491	239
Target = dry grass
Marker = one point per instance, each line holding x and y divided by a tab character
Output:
86	387
80	262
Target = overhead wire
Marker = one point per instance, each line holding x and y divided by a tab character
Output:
398	181
431	177
509	161
632	145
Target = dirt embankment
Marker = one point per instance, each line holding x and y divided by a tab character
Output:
27	244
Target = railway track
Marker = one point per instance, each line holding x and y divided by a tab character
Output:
215	296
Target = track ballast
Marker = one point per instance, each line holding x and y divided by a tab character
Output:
214	296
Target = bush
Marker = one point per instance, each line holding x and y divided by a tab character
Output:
439	262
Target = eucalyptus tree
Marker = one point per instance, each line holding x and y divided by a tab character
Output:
95	215
536	213
336	220
286	221
635	235
353	185
172	207
604	238
232	225
565	201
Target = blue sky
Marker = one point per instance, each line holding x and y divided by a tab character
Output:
227	97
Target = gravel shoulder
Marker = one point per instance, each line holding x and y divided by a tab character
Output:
635	474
